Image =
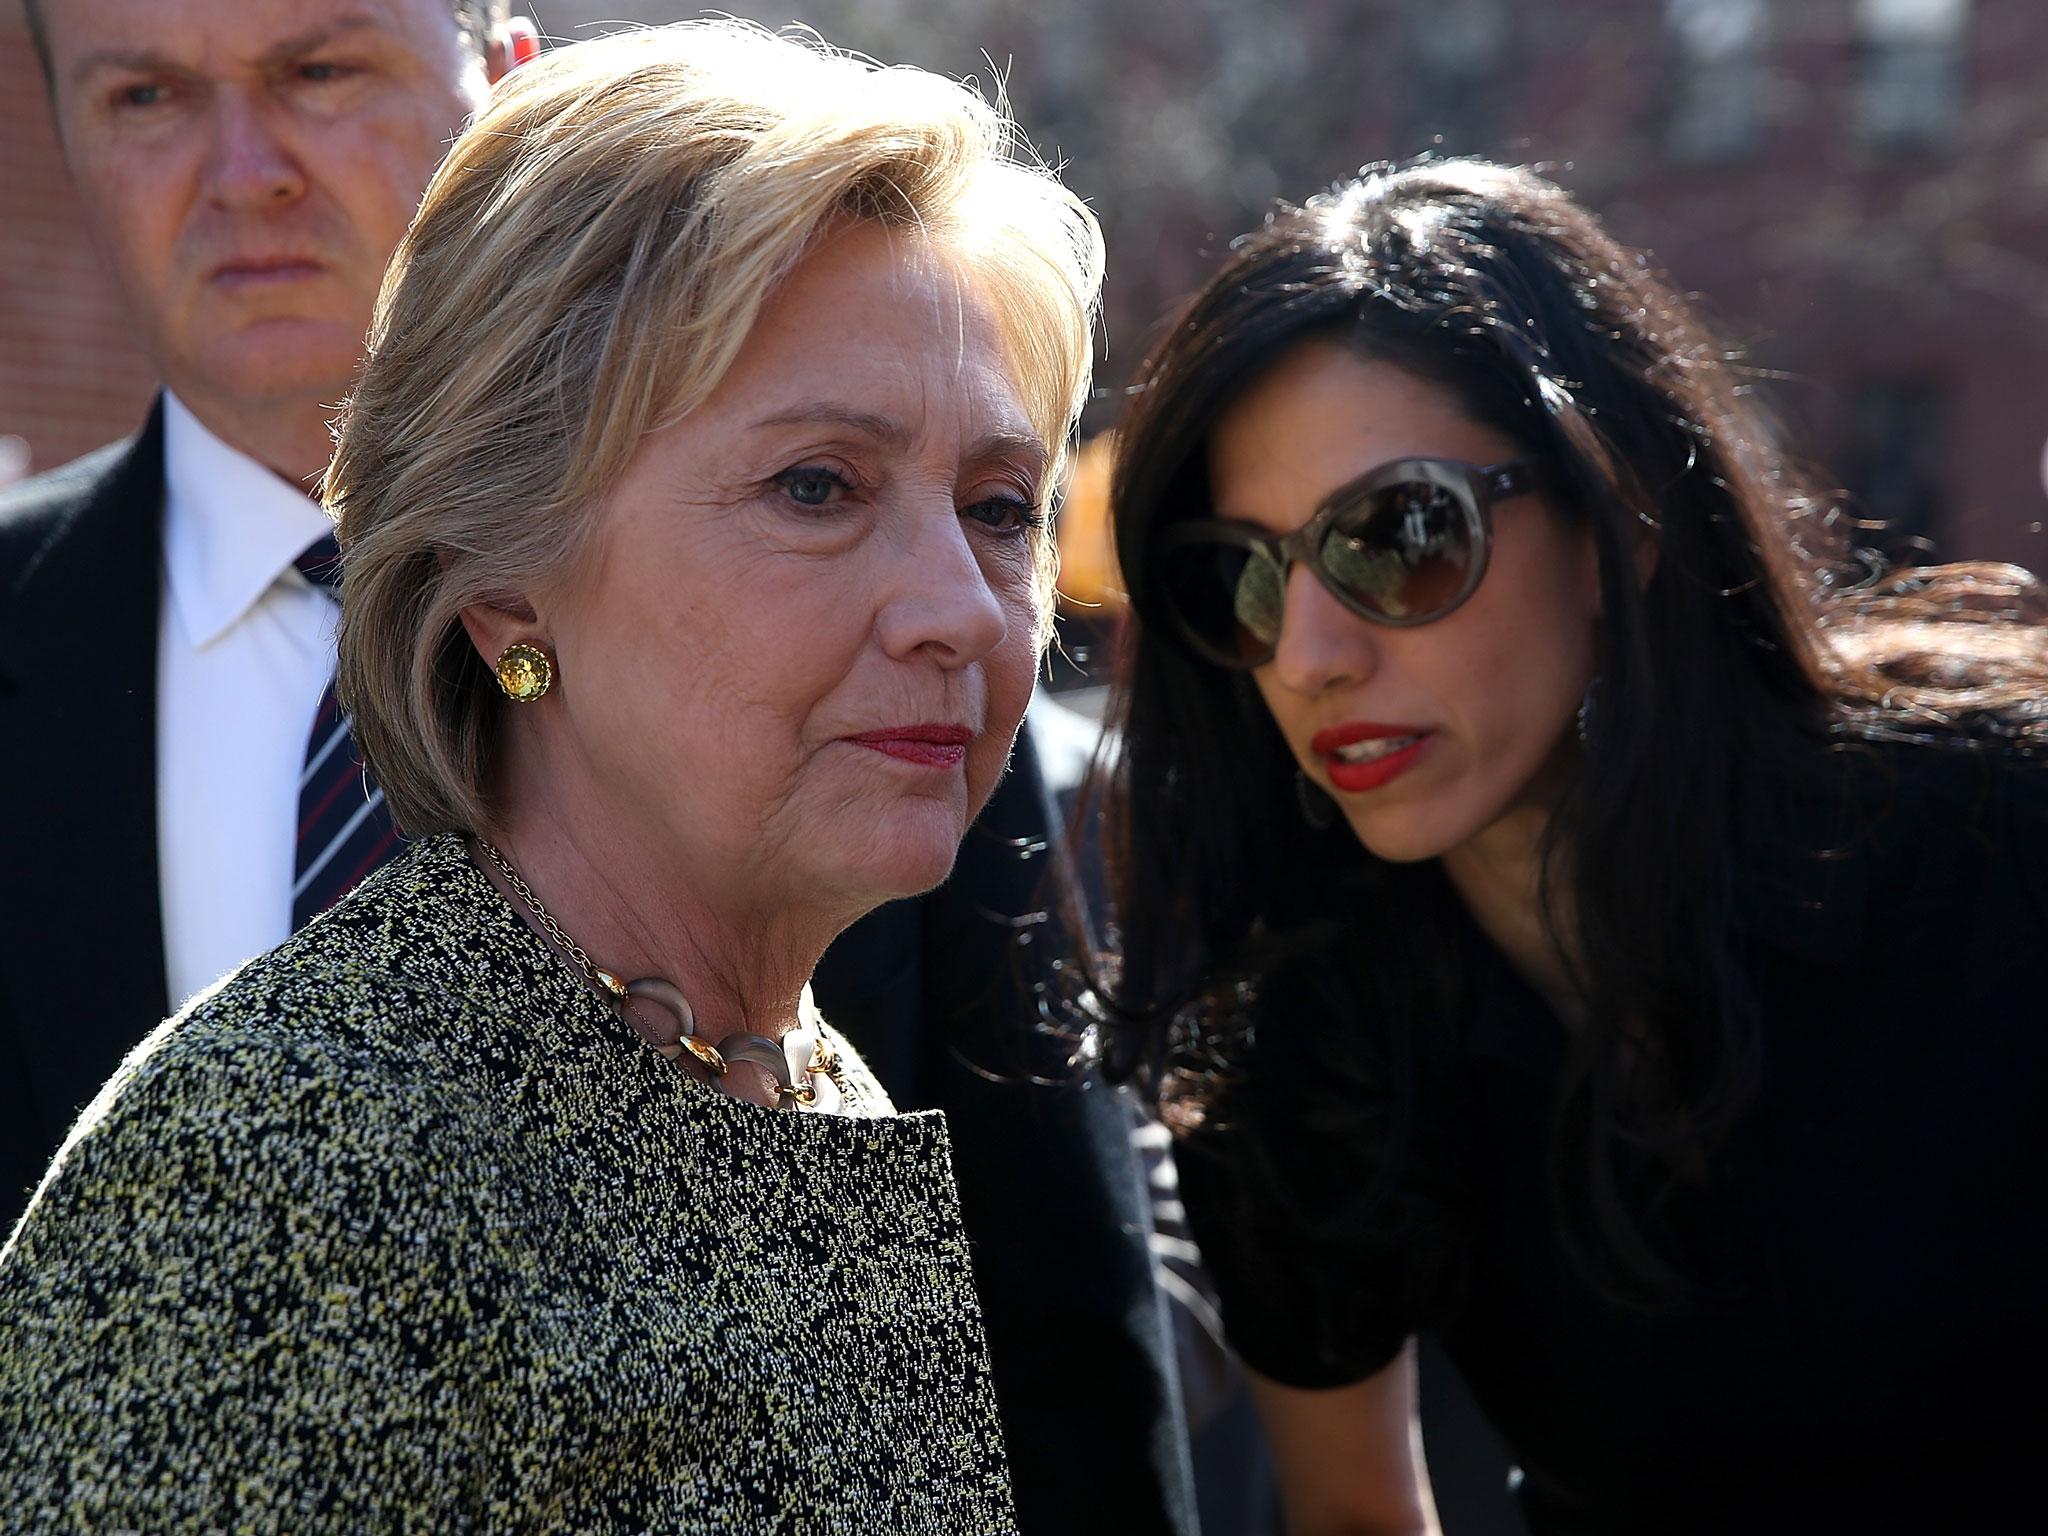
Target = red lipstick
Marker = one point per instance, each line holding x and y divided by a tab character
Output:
928	746
1361	755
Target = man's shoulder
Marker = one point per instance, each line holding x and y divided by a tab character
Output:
55	490
35	511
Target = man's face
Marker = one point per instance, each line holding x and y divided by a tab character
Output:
248	167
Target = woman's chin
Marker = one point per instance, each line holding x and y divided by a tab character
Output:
901	876
1398	839
906	853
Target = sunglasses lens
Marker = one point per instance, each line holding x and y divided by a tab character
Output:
1256	603
1228	597
1403	552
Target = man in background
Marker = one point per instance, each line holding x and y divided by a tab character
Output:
182	792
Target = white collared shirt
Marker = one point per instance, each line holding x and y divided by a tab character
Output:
245	648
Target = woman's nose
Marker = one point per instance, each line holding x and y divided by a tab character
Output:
1322	643
940	600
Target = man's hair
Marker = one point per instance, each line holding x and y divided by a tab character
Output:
475	18
583	270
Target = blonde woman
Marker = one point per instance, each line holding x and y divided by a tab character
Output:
693	507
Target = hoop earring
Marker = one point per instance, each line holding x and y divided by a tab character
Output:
1317	808
525	673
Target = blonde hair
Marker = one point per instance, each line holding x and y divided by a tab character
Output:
583	270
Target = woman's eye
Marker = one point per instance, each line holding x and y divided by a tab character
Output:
1005	514
148	95
811	487
322	73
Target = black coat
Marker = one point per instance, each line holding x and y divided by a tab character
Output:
82	975
928	990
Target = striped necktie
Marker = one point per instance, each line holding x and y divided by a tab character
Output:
345	830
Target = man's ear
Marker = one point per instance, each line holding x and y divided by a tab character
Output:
515	43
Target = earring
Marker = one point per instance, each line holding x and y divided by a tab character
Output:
525	673
1589	710
1317	808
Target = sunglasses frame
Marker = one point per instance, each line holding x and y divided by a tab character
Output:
1476	487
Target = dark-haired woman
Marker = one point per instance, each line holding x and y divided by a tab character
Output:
1565	908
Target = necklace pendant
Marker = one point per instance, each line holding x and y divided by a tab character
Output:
704	1051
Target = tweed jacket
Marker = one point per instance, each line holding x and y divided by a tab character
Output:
400	1228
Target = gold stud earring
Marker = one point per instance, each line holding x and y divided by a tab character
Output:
525	673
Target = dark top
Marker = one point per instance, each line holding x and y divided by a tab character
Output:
1869	1323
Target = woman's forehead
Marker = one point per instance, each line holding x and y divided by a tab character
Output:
1321	416
870	333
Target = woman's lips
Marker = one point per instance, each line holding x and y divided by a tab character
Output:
1363	755
928	746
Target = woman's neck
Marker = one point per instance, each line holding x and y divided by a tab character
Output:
742	972
1499	876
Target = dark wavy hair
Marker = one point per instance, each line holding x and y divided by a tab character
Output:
1762	633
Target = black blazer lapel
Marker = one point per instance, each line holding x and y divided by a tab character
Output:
82	971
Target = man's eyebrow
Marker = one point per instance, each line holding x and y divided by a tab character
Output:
127	61
145	62
321	36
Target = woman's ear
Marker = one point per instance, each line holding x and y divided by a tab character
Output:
1646	543
1586	559
1649	544
494	627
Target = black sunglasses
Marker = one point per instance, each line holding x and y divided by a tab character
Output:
1402	545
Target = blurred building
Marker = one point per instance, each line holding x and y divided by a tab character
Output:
1858	187
1860	190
